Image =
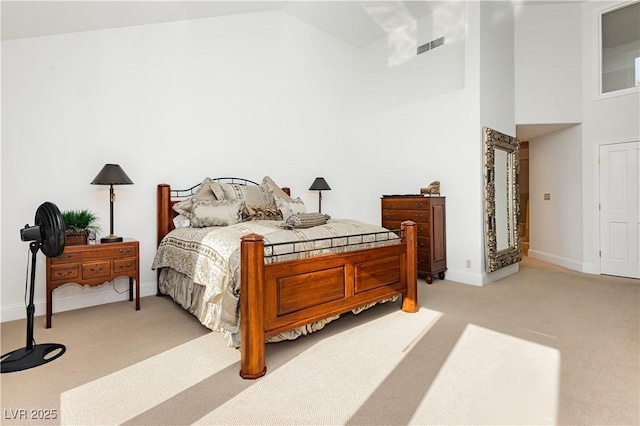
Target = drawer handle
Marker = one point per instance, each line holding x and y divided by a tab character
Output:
98	270
418	216
389	216
128	265
63	274
418	205
421	229
68	256
125	251
420	244
420	261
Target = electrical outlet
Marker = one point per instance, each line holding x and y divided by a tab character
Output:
468	264
547	196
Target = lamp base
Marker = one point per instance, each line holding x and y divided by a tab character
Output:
111	239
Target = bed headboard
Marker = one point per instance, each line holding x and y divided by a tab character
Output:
167	197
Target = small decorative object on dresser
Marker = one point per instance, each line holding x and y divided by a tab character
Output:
432	189
429	215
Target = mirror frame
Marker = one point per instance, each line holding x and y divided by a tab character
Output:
497	259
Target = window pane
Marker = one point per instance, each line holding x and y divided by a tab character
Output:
620	48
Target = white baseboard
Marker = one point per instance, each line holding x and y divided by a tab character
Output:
474	278
558	260
500	273
464	277
102	295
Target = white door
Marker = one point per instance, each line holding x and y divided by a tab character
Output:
619	208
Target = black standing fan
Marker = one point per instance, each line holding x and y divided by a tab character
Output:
48	235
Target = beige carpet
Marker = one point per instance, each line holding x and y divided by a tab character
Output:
546	346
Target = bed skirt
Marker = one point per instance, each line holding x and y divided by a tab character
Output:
189	295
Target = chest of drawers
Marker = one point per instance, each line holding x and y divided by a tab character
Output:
429	215
94	265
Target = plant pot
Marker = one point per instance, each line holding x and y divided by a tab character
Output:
75	240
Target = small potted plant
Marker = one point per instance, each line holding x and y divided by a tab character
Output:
79	224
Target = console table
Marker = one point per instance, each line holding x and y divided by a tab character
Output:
93	265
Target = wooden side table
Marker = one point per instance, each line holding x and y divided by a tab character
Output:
93	265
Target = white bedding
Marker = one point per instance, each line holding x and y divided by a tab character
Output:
210	257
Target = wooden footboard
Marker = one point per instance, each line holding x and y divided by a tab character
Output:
281	296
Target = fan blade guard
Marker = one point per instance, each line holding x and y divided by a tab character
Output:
52	228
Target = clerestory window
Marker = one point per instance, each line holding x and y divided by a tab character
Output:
620	48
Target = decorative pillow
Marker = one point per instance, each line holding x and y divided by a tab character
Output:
183	208
208	190
250	213
217	190
275	189
290	206
254	195
181	221
216	213
305	220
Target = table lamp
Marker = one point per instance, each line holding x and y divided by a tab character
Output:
111	174
320	185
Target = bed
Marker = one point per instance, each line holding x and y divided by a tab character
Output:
275	273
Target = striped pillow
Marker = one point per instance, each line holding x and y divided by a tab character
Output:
305	220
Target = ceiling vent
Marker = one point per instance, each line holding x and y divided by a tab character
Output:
431	45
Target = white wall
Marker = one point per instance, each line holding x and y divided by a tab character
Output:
564	230
241	95
390	75
497	98
548	63
170	103
607	119
555	229
548	90
421	117
247	104
437	133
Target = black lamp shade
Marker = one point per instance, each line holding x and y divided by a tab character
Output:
111	174
320	185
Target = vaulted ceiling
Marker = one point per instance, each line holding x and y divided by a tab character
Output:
356	22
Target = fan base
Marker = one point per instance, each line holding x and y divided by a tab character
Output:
111	239
23	359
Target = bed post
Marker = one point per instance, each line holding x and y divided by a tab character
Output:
163	209
163	220
252	363
410	298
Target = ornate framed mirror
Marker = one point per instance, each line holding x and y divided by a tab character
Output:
502	199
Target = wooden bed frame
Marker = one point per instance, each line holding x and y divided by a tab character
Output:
281	296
